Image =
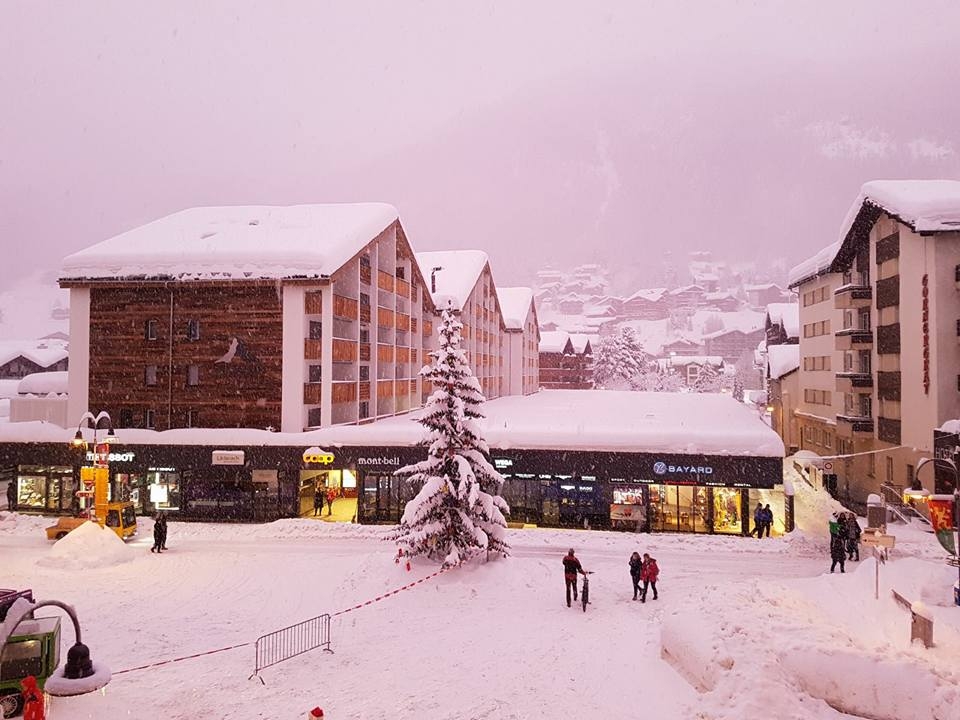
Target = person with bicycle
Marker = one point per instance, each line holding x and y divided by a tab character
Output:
571	566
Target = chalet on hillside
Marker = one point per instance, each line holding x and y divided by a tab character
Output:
684	347
691	367
648	304
732	344
21	358
759	296
562	366
689	297
782	324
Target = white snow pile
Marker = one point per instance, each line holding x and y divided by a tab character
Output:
16	523
796	648
89	546
925	205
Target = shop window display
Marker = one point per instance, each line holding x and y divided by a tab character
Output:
44	488
727	512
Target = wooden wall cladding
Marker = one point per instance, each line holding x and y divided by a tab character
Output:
364	391
384	353
312	349
313	302
343	392
384	281
403	288
238	353
384	389
344	351
403	355
311	394
365	351
403	321
385	317
427	328
345	307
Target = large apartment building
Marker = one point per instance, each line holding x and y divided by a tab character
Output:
462	280
266	317
887	296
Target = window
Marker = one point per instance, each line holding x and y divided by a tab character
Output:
316	330
872	465
864	357
150	375
364	372
889	468
193	375
364	410
315	373
364	335
365	299
910	475
193	418
314	418
401	272
150	420
866	406
126	418
956	273
828	440
193	329
150	330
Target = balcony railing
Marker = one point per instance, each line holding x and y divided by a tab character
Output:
852	296
854	382
854	426
853	339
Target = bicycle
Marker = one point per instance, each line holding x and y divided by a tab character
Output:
585	592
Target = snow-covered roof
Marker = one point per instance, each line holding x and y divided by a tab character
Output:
515	305
239	242
684	360
782	359
599	420
815	265
580	341
648	294
44	383
687	288
42	352
924	205
761	288
787	316
455	282
555	341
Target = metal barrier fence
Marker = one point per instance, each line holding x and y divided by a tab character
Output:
280	645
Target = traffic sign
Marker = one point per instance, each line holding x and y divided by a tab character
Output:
828	465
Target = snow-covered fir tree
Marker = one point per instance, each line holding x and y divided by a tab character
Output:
458	512
619	360
709	380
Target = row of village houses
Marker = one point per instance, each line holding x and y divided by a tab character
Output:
874	369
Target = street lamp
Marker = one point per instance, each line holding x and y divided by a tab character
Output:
97	422
956	503
79	675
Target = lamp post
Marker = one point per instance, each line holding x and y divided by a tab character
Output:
100	454
956	503
79	675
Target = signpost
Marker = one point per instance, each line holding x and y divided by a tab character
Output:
880	544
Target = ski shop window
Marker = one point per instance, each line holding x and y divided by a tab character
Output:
150	330
193	329
193	375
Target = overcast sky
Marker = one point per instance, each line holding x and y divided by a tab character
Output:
551	131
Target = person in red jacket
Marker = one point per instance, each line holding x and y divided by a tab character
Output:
649	573
571	566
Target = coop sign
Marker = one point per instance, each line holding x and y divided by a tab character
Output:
662	468
317	456
112	457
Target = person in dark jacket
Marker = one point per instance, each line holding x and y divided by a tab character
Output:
767	519
159	533
11	496
636	567
758	521
318	497
331	496
649	573
853	537
838	551
571	566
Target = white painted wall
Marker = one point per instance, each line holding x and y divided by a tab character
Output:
78	382
294	367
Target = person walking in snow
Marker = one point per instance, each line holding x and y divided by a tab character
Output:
636	568
163	531
767	519
158	534
571	566
758	521
317	501
11	496
649	573
853	537
838	551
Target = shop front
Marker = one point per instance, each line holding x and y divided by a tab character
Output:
324	474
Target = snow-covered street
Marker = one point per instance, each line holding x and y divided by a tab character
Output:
518	653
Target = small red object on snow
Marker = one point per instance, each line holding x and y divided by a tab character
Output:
33	703
314	714
408	566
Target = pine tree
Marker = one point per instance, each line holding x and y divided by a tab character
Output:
619	360
708	381
458	512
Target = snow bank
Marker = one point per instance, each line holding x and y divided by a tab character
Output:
89	546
